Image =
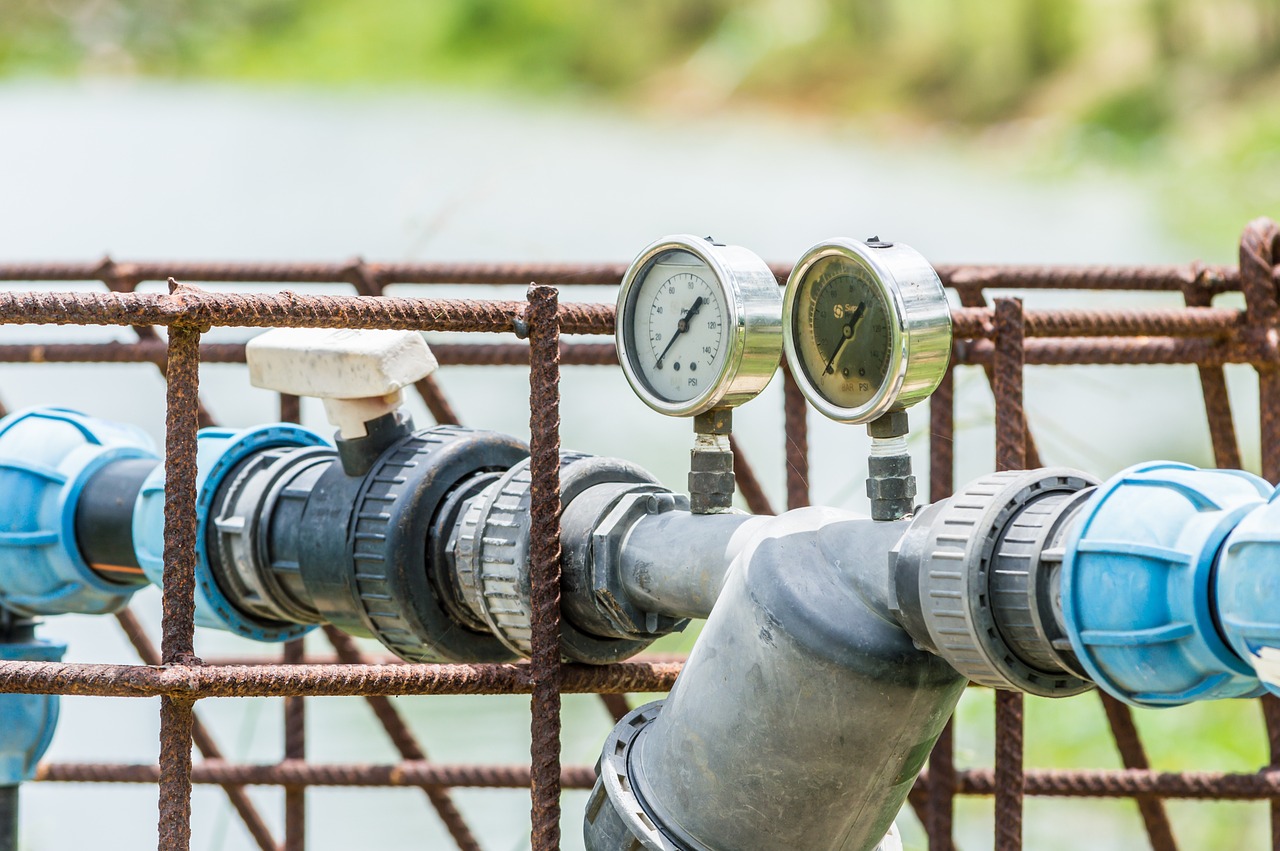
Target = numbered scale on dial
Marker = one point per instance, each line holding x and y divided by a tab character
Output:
867	328
699	325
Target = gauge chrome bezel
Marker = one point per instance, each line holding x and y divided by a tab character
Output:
919	325
753	333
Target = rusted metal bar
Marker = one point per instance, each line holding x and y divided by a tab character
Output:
796	435
155	352
1170	278
202	681
977	322
941	791
295	708
1128	783
1259	252
1138	278
973	297
1116	783
1132	753
197	308
748	484
295	774
387	659
1124	351
351	272
1011	454
178	596
407	745
203	739
544	567
295	750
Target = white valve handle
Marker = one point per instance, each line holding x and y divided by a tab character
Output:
358	374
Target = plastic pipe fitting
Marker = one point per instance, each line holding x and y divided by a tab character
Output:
47	457
1138	583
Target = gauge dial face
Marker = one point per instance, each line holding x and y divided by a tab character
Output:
868	328
843	333
699	325
676	322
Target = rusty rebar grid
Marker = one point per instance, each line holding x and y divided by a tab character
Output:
1202	335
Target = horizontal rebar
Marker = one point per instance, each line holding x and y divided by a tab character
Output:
269	310
297	773
199	681
1173	278
1130	783
417	773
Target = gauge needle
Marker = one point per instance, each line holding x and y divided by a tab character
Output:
681	327
846	335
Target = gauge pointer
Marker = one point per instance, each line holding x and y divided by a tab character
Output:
681	327
847	334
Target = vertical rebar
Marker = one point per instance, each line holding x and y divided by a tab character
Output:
1134	755
973	297
544	444
182	421
295	747
942	768
796	428
290	408
295	710
1258	255
1011	454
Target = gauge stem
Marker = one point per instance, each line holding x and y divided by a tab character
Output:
891	486
711	482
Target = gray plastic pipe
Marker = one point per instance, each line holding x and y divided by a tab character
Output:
675	563
803	714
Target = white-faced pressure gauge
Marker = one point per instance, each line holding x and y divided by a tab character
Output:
867	328
699	325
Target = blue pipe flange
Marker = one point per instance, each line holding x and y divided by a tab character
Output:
218	452
27	721
1136	583
1248	587
46	457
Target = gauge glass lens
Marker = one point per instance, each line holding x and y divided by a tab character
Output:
676	321
841	325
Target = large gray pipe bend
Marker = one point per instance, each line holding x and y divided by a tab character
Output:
803	714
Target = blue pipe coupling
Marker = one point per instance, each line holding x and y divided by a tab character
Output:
27	721
1151	615
218	453
1247	589
47	455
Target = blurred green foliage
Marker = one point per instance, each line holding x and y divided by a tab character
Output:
1182	92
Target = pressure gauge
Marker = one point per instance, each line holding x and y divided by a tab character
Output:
867	328
699	325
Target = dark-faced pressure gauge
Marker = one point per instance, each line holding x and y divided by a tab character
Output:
699	325
867	328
